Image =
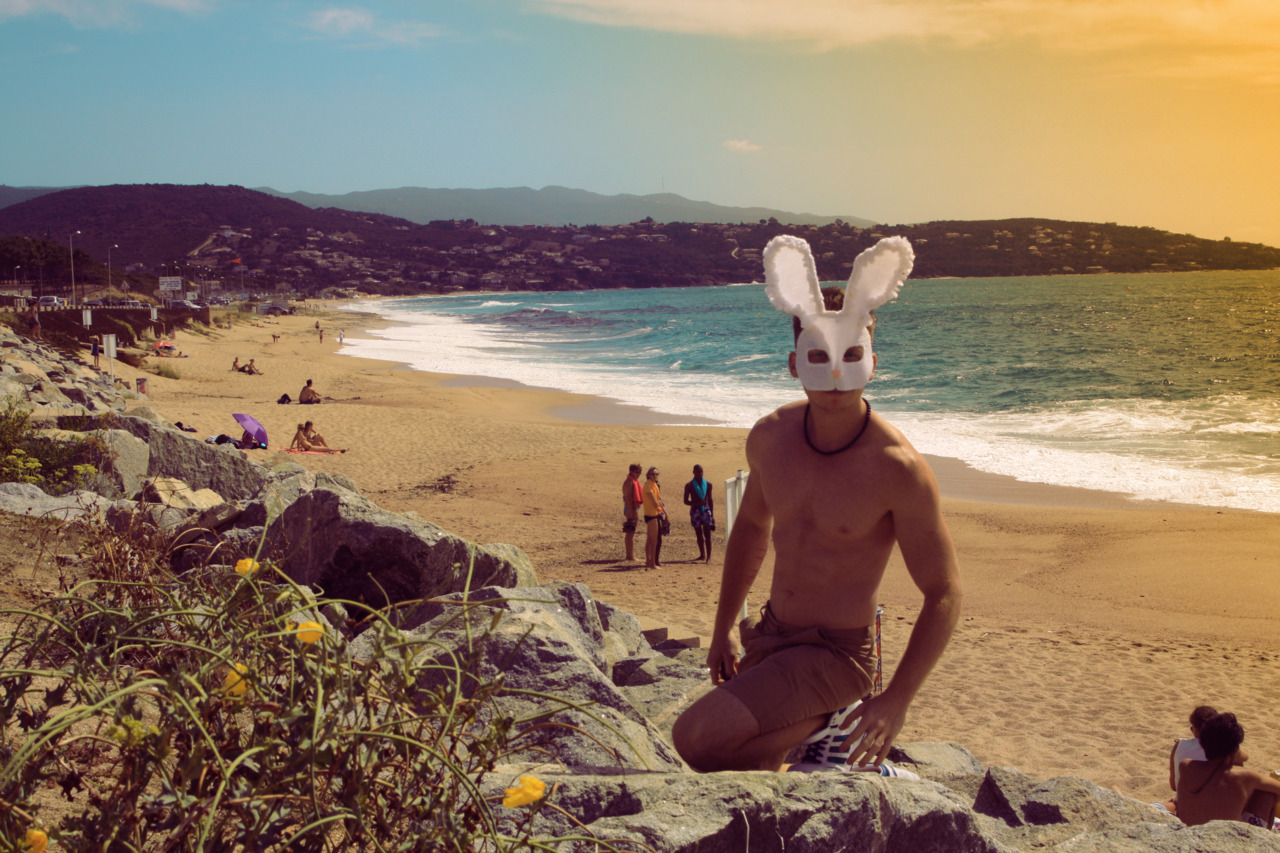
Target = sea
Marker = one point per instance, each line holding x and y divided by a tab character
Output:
1160	386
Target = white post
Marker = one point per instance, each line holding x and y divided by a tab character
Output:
734	488
71	241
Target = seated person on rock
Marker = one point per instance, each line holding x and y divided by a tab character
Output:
308	395
1218	788
835	487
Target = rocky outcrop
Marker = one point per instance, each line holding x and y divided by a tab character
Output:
337	540
200	465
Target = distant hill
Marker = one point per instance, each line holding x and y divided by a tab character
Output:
160	223
556	206
17	195
245	239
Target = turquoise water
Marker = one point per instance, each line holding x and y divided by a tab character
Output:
1166	386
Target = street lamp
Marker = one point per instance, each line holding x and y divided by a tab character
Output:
109	248
15	276
72	242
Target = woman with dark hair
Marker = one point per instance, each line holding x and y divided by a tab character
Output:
1218	788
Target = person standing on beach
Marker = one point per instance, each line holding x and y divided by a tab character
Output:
95	349
837	486
632	500
702	513
654	515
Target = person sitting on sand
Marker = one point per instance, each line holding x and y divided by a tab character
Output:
235	364
308	439
251	369
308	395
1218	788
1188	747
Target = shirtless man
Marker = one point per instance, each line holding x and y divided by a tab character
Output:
632	498
1218	788
308	395
837	486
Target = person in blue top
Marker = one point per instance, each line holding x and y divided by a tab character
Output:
697	496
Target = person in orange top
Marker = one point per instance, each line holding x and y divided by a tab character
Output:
632	500
654	514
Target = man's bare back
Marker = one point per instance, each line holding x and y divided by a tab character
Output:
1219	788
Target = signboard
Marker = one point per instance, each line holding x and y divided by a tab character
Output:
109	346
171	282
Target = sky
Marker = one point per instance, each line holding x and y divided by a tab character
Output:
1164	113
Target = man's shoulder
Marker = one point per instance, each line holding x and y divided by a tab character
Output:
779	419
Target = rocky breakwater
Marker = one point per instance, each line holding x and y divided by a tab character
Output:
606	697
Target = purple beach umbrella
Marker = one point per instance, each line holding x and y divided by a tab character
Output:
251	426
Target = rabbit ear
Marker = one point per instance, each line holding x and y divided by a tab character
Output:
878	274
791	281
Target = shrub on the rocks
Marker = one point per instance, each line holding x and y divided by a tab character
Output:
220	711
56	465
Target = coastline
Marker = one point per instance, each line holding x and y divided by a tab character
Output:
1091	624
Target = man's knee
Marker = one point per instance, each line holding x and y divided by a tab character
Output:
712	730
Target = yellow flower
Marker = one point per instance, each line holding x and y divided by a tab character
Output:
530	790
36	840
247	566
309	632
234	684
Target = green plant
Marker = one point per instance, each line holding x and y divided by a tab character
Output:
219	711
57	465
167	372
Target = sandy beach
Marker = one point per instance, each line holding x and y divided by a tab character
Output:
1092	624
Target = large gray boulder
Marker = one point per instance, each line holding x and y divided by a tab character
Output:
760	812
128	458
567	710
568	603
345	544
174	453
660	686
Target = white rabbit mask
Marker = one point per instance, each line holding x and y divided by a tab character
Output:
791	281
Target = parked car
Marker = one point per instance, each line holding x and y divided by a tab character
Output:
93	303
50	301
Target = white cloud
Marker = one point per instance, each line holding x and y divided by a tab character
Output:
744	145
1068	25
362	28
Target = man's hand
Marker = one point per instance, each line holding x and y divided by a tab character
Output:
880	719
722	659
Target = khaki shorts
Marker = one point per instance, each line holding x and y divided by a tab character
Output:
790	673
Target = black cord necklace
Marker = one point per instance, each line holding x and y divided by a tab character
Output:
866	420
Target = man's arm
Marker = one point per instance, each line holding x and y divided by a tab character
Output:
931	560
748	544
1264	782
